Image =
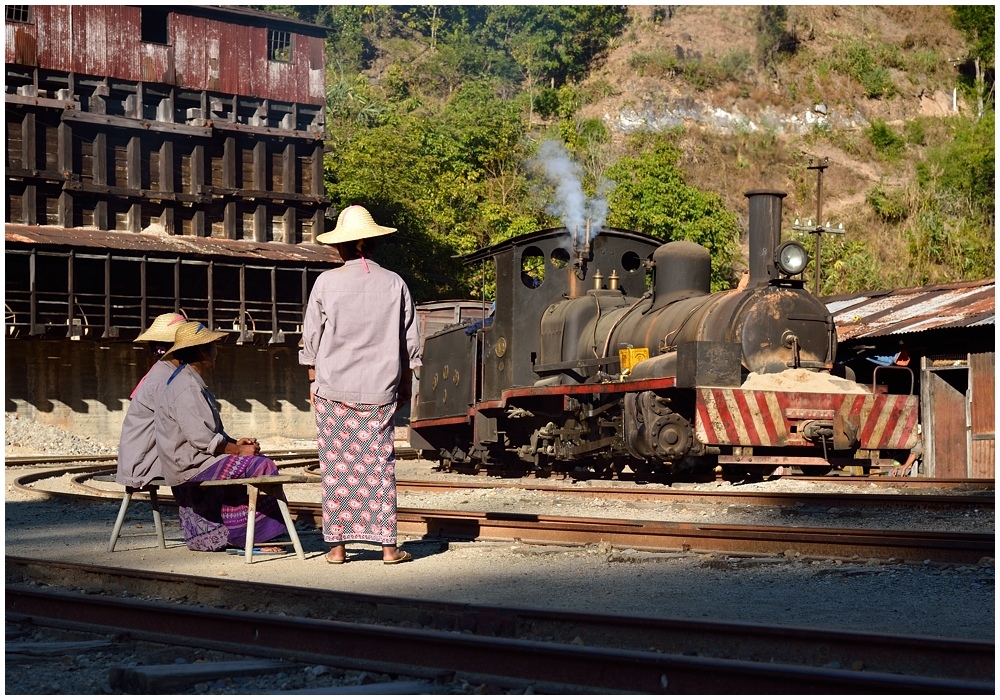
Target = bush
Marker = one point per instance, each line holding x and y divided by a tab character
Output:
885	139
546	103
869	66
887	204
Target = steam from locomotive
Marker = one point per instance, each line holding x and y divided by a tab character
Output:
596	367
572	207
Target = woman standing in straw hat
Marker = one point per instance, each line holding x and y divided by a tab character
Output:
137	460
360	343
193	446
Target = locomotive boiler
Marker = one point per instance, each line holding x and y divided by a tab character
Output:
618	355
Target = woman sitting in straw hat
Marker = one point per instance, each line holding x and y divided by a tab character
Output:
138	463
360	342
193	446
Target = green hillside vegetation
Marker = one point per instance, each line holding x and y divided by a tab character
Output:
436	116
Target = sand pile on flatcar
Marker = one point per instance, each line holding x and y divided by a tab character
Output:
802	380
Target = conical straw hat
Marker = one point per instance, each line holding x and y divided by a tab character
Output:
353	223
193	333
162	329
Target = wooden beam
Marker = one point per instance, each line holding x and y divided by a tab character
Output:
137	124
260	223
198	223
319	188
288	169
197	169
64	210
133	219
288	225
64	146
100	160
133	163
170	220
29	205
167	166
101	215
259	166
229	220
29	146
229	163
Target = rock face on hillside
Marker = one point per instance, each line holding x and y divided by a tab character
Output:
803	95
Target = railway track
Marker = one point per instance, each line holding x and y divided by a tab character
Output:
558	651
730	540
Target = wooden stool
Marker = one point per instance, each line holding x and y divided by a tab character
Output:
272	486
150	488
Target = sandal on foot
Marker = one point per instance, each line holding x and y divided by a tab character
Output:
330	560
269	549
403	557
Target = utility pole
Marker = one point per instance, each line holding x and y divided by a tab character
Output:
818	229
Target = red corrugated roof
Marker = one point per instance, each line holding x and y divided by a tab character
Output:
914	309
189	246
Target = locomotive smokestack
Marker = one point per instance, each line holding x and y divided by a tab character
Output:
765	234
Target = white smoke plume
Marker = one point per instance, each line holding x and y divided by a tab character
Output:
571	204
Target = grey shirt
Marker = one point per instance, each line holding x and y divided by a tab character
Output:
138	463
189	429
360	333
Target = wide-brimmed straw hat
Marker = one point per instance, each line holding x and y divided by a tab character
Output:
353	223
162	329
192	333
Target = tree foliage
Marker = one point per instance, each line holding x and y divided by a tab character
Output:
650	196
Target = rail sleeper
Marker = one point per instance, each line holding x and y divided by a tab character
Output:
272	486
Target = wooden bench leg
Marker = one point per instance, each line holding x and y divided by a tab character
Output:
278	493
126	499
252	492
289	523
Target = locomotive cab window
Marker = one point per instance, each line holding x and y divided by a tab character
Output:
631	261
559	258
154	25
532	267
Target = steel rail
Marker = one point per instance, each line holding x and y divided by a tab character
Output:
773	498
736	540
888	653
331	642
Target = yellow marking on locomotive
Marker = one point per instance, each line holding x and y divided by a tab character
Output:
630	357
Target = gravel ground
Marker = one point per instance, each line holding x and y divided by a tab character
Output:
878	596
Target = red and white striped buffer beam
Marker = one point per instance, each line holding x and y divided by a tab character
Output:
774	418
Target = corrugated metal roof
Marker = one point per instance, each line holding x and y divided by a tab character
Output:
190	246
915	309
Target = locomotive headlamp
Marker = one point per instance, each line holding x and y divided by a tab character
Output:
791	258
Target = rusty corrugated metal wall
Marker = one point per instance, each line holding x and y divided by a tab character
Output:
982	377
203	54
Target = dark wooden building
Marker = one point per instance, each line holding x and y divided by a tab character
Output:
204	124
160	158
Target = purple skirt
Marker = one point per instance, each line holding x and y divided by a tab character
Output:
358	465
214	518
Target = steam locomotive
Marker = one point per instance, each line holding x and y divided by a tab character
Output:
618	355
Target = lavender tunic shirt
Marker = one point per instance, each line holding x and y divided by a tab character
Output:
360	332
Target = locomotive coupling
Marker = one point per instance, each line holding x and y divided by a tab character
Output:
816	430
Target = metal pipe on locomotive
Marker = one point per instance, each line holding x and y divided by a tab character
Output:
612	371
